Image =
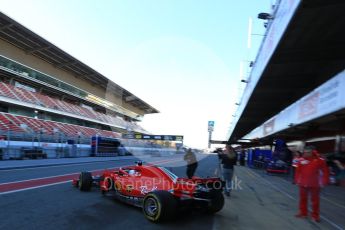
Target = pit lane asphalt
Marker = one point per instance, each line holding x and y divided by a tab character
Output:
265	202
332	198
64	207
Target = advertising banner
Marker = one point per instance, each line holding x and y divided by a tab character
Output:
153	137
325	99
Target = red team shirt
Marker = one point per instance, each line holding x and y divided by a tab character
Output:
312	172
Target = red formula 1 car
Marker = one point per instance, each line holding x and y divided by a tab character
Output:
156	190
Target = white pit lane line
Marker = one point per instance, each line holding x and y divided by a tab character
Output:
36	187
42	186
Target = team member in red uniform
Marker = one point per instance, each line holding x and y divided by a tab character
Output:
311	174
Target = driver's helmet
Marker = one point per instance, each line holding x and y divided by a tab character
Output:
131	172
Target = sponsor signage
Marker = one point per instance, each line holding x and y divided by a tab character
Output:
308	106
26	87
153	137
324	100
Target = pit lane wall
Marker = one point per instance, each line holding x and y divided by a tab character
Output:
283	14
325	99
14	150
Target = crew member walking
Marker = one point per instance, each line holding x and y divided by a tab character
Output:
228	160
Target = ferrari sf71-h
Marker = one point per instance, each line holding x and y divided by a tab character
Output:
158	191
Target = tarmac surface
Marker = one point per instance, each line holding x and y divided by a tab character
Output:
258	201
271	201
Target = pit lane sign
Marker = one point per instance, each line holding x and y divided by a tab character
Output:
210	126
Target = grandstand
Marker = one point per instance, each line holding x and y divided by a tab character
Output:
48	95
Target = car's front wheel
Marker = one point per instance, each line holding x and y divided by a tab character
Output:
217	202
159	206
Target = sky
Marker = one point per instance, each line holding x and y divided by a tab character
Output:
182	57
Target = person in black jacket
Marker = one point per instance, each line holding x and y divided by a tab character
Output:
192	163
228	160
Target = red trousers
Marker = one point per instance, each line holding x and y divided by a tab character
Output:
315	200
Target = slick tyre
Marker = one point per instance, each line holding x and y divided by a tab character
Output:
159	206
216	203
85	181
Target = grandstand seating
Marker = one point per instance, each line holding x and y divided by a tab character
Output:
8	124
16	93
22	124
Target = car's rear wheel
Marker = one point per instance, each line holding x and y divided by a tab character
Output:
85	181
159	206
216	203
